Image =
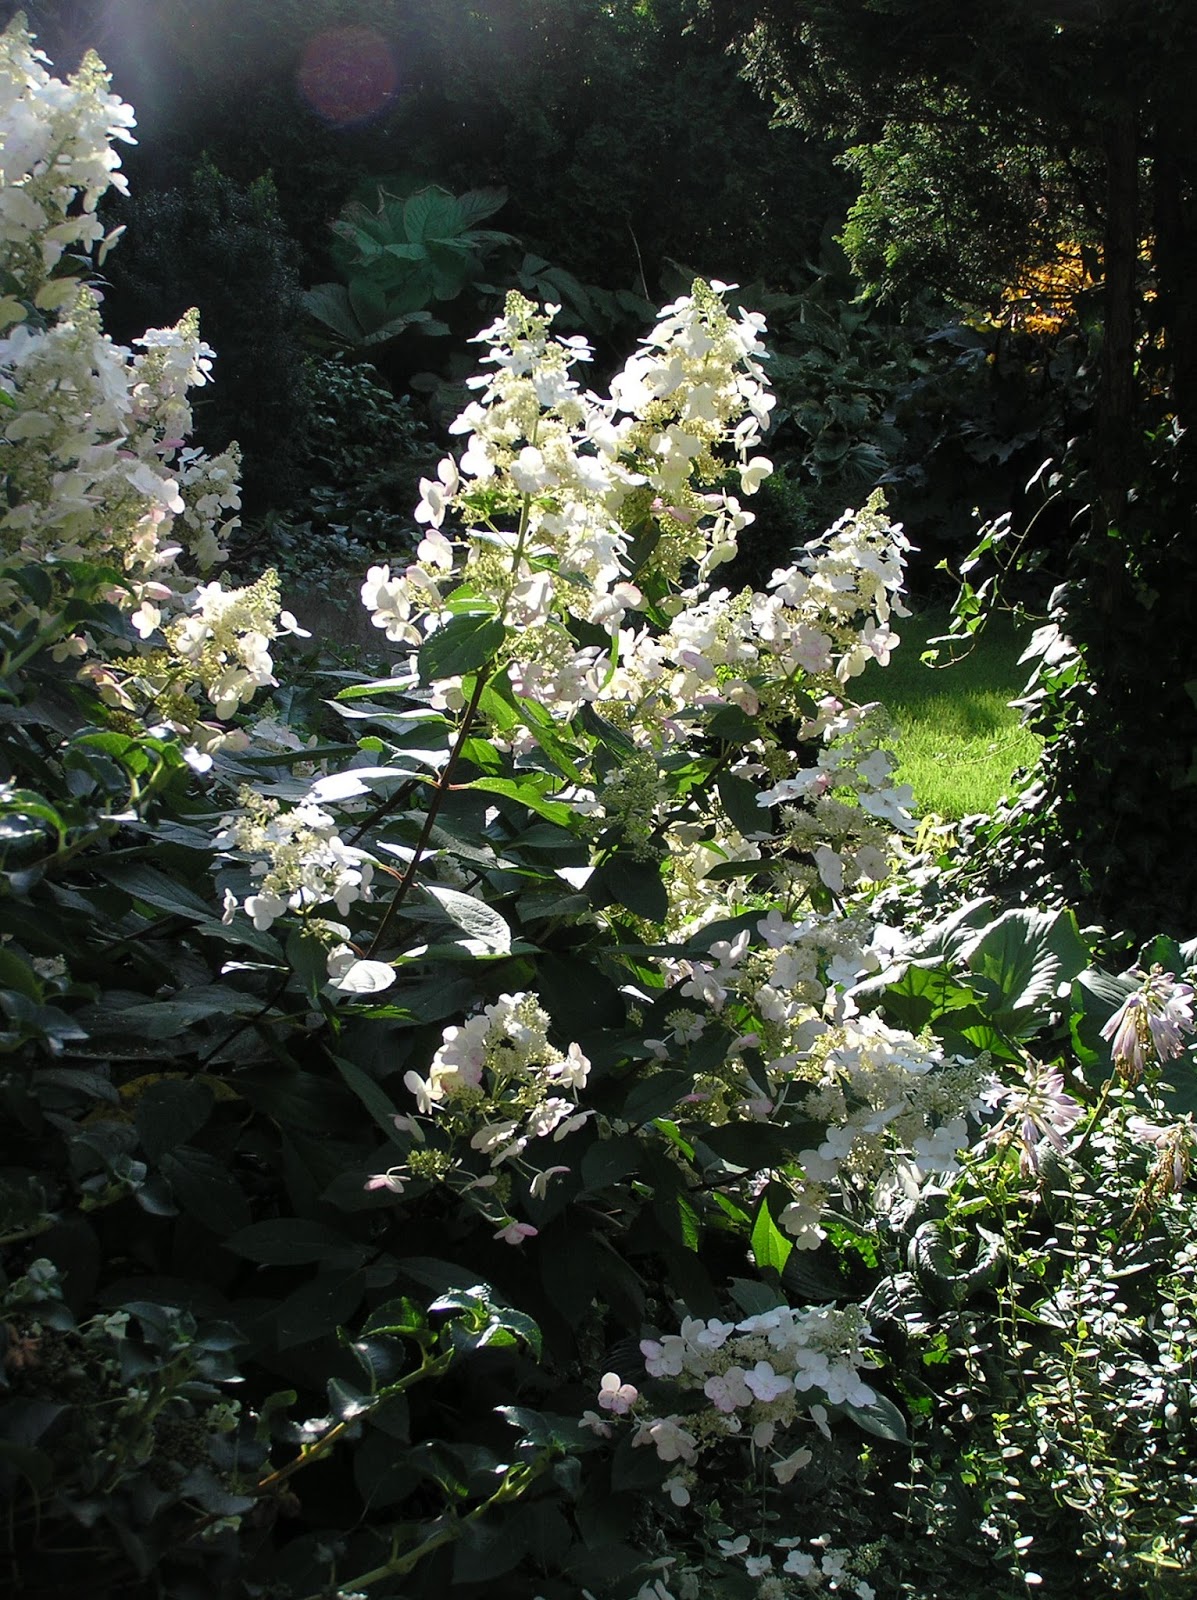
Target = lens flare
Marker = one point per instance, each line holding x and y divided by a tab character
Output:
348	75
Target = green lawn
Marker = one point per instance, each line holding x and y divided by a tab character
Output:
959	741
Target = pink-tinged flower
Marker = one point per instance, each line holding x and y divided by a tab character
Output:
677	1489
1040	1111
728	1391
672	1441
592	1420
516	1232
616	1396
1175	1145
766	1384
538	1188
1150	1024
386	1180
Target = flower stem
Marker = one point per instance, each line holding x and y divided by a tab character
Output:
440	790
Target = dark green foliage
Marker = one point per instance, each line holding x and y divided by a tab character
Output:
220	244
927	217
1103	814
621	139
400	254
361	453
952	418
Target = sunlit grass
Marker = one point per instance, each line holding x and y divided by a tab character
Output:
959	741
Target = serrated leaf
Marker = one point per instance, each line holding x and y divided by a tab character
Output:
462	645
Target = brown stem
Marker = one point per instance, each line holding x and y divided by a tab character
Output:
442	788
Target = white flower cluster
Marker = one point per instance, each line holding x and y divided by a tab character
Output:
787	1569
56	161
225	640
756	1379
92	435
553	480
218	643
853	572
300	860
497	1081
883	1095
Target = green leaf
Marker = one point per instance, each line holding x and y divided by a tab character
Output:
329	303
610	1160
293	1241
462	645
770	1247
487	1318
308	959
166	1019
880	1417
734	725
724	870
546	1430
1019	963
656	1095
155	888
319	1307
206	1189
635	884
578	995
755	1298
479	921
528	795
400	1318
737	796
756	1146
375	1099
168	1113
1162	952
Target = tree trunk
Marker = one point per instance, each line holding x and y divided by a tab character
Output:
1115	431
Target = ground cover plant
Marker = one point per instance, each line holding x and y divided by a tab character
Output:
466	1128
958	737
